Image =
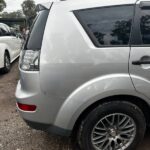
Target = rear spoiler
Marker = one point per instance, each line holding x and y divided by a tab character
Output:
45	6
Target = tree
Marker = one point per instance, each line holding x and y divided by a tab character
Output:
121	31
2	5
15	14
29	8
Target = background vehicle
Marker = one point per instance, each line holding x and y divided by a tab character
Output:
10	46
89	73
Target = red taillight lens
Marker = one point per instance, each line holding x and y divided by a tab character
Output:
26	107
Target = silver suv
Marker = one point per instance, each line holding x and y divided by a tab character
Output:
85	69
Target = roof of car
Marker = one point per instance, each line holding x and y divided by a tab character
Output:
86	1
82	4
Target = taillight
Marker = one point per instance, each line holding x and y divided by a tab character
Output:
29	60
26	107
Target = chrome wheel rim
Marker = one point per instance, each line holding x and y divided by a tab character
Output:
113	132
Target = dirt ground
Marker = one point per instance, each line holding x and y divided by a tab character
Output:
16	135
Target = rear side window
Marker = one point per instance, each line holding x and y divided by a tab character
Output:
107	26
35	38
145	26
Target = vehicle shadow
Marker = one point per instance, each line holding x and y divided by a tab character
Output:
145	145
67	144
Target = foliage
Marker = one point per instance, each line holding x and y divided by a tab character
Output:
15	14
2	5
29	8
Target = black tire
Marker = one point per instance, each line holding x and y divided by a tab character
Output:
129	109
7	64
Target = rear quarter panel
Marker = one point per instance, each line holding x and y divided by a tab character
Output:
73	72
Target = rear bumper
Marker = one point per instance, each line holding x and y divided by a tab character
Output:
43	118
48	128
28	92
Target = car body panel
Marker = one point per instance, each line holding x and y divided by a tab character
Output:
91	92
73	73
11	44
66	66
83	60
3	47
140	74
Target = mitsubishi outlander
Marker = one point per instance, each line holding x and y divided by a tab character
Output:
85	70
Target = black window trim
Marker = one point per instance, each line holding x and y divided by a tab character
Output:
136	39
91	35
26	45
137	35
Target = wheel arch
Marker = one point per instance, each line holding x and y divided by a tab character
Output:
94	92
138	101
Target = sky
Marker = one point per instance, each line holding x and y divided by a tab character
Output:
13	5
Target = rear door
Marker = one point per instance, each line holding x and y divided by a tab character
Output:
139	64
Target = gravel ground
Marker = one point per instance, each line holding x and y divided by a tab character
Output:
16	135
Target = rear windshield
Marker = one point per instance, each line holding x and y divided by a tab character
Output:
34	41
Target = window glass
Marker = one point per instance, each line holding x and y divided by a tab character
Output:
4	29
108	25
145	26
35	38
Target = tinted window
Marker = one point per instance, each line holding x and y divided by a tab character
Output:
4	30
145	26
34	41
109	25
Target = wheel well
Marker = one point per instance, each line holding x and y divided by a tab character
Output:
7	52
145	108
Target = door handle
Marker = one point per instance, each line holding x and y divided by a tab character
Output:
143	61
139	62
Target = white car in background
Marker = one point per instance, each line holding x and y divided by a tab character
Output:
10	46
